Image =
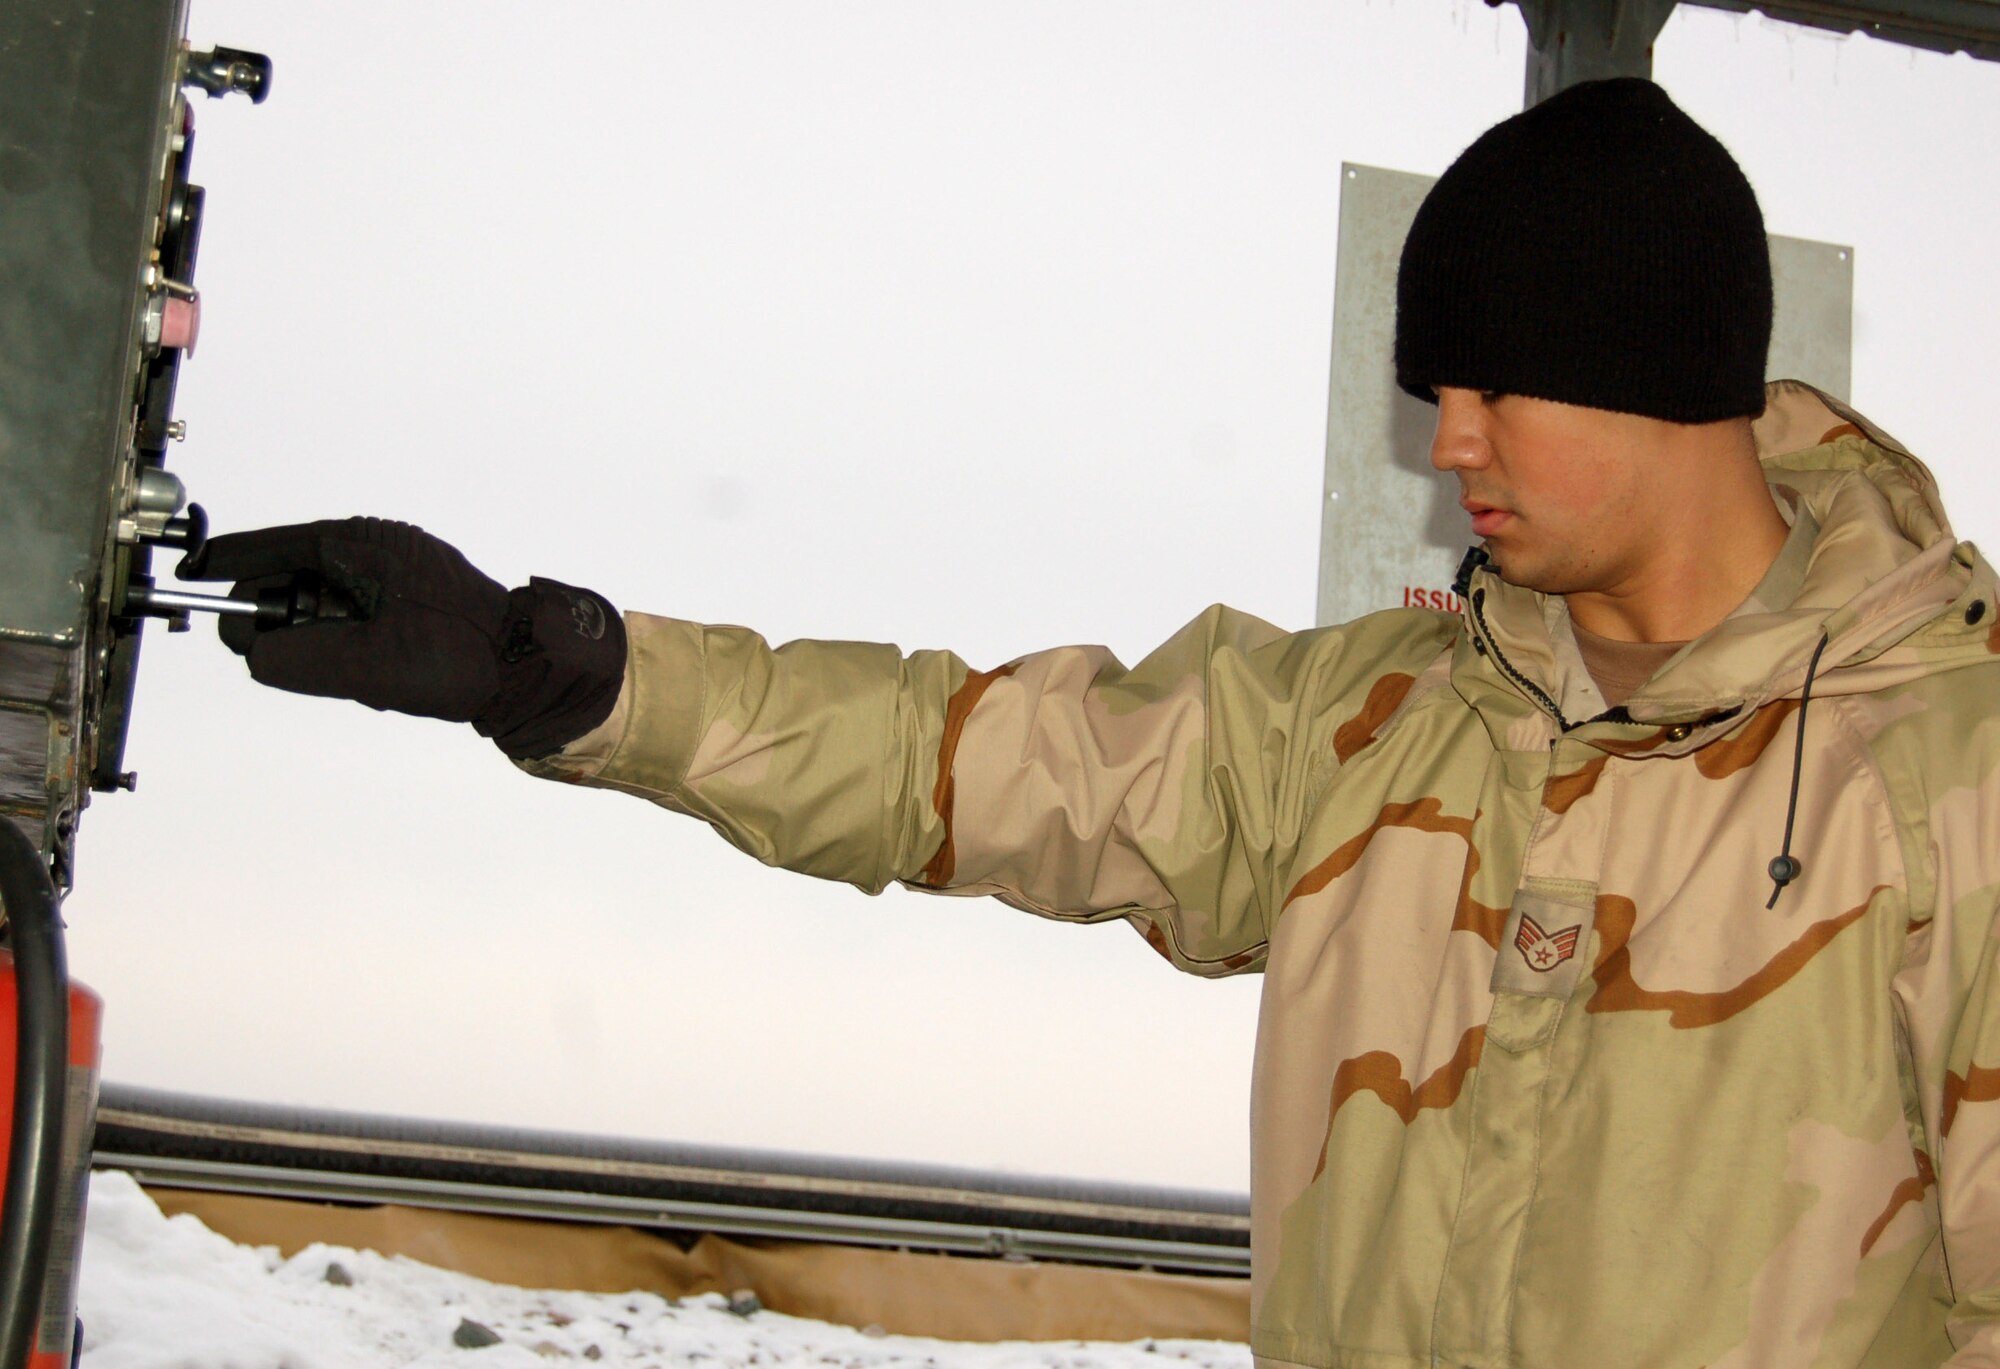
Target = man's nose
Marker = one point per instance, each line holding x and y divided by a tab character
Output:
1460	442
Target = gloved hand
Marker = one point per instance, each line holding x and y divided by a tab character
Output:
428	633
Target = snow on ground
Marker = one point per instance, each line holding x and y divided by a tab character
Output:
168	1293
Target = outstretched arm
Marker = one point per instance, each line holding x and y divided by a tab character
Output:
1170	793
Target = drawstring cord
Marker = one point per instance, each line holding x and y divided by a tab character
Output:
1786	867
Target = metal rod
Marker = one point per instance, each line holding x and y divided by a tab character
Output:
174	1125
34	1154
171	602
723	1218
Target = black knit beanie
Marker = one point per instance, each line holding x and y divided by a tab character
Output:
1600	249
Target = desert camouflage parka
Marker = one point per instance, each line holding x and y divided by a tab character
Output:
1544	1076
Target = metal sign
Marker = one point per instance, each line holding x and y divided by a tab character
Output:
1391	530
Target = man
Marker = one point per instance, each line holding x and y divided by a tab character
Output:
1629	988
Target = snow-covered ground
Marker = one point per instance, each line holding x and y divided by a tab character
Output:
168	1293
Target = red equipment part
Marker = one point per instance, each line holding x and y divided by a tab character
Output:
55	1340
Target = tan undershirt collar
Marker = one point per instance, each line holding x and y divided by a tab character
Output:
1619	668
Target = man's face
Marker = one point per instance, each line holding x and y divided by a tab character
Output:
1560	494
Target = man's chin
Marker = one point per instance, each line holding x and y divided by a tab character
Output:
1512	569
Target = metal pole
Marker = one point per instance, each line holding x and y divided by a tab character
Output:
1588	40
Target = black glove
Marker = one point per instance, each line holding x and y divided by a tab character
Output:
419	629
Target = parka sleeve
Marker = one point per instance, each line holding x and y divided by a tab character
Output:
1942	766
1966	1151
1171	793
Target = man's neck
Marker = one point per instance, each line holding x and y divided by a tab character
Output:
1718	532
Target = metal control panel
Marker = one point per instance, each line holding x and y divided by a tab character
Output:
99	227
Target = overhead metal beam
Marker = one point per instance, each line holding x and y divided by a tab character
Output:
1948	26
1588	40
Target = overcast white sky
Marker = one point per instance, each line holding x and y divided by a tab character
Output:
990	327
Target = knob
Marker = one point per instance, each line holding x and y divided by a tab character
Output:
222	70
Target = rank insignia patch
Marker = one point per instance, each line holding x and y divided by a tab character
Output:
1545	950
1534	960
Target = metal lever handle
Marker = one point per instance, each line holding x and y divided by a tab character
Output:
304	600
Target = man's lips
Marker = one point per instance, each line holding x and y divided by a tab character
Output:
1486	520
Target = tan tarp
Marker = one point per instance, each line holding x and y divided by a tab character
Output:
947	1296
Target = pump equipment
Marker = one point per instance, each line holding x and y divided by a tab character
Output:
98	230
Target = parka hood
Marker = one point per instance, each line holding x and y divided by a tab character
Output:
1872	567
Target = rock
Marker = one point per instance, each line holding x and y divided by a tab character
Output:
337	1275
592	1352
471	1335
874	1329
744	1303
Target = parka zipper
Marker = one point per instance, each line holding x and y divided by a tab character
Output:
1534	691
1785	867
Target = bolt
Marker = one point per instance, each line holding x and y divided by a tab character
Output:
177	429
128	781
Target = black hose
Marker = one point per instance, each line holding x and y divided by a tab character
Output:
41	1062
